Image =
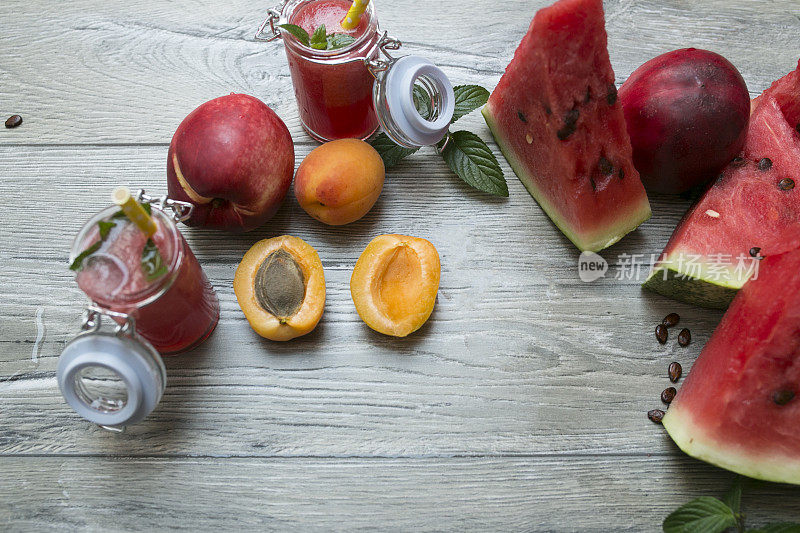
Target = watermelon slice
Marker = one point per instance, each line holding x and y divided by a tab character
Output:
752	209
740	405
556	118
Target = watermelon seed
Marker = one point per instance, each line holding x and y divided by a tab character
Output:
661	333
621	173
684	337
786	184
522	117
588	97
548	110
783	396
754	251
737	162
671	320
674	371
611	97
605	166
570	119
594	185
765	164
668	394
797	127
529	138
656	415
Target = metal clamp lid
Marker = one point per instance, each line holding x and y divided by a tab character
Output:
398	82
111	378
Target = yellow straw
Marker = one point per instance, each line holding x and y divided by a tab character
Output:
134	211
353	17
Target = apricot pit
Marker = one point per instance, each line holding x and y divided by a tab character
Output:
395	282
280	286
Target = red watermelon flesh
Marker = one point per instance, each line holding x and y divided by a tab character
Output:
786	91
753	205
740	405
556	118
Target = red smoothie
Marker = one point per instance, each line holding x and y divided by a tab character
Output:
333	87
174	310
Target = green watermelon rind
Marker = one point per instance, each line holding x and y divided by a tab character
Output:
695	285
602	238
692	439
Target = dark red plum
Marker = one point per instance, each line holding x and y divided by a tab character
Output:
687	113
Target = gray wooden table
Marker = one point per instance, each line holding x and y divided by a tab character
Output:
519	406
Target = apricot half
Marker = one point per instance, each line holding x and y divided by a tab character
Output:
395	282
280	287
339	181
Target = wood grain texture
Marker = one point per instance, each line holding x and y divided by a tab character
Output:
625	494
520	405
520	355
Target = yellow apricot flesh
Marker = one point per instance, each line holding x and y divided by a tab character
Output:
266	281
395	283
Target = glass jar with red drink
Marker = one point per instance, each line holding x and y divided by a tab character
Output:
156	300
349	92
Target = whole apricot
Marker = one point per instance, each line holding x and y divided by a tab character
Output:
395	282
280	287
339	181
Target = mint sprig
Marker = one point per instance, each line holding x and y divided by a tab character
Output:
320	39
710	515
467	155
152	262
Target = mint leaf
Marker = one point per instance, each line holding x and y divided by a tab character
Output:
152	262
733	498
782	527
77	264
422	101
468	99
468	156
390	152
105	228
702	515
319	41
339	40
299	33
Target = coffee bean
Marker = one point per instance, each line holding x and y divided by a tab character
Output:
754	251
671	320
675	370
661	333
668	394
13	121
786	184
783	396
684	337
765	164
656	415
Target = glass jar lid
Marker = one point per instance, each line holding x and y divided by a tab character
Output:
111	378
394	95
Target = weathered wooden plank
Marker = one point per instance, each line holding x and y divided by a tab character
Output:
129	72
310	494
520	355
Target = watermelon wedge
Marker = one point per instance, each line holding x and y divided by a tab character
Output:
556	118
740	405
752	210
